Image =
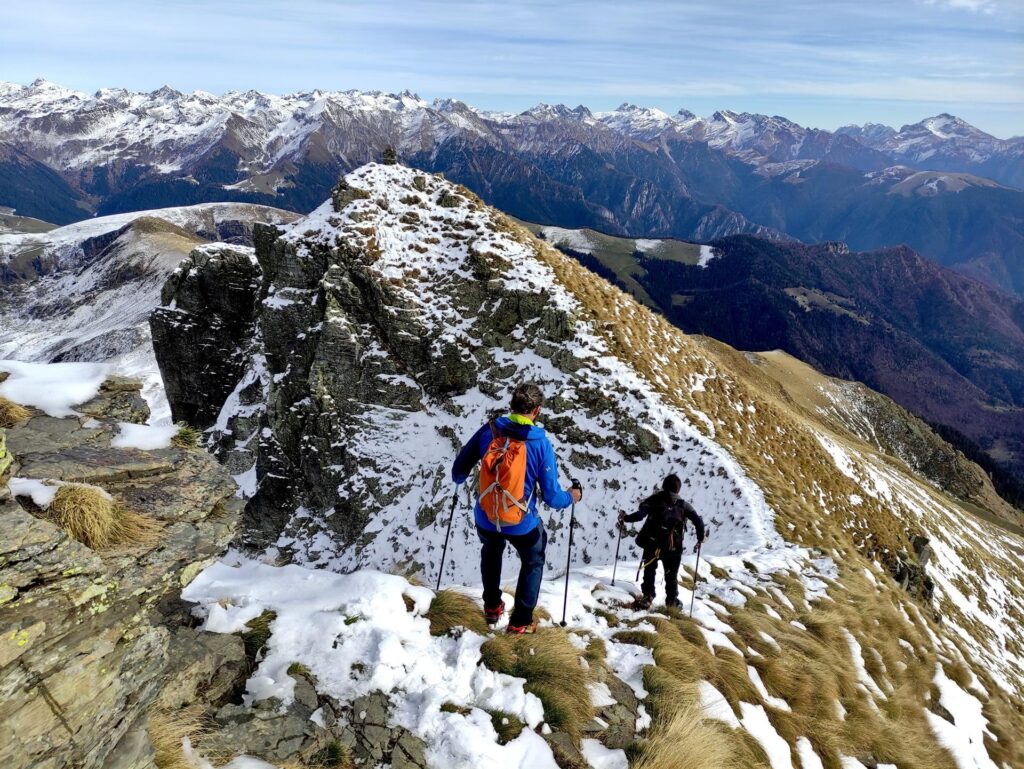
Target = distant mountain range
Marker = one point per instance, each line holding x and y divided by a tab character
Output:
941	344
947	189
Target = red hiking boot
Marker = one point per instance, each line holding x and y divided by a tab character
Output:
521	629
494	614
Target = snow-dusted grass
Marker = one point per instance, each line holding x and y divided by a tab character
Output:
367	631
550	665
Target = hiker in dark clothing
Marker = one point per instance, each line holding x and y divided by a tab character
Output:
517	466
661	538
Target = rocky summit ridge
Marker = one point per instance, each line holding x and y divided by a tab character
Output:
366	341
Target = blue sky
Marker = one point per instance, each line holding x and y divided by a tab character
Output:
821	63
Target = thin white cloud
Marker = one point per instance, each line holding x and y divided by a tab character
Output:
974	6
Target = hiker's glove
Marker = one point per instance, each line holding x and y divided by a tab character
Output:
622	516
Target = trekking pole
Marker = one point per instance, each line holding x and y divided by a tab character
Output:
444	552
696	576
568	558
617	543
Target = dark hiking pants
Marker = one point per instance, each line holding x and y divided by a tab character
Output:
530	547
670	560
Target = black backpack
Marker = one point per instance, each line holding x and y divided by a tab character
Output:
663	528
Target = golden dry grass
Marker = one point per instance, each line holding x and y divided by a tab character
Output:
12	413
551	666
686	740
91	516
812	669
167	731
450	609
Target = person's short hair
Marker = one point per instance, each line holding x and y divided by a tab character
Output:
672	484
526	397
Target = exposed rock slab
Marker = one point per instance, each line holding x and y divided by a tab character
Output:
88	638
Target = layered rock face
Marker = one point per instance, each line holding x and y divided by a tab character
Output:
208	315
390	323
92	640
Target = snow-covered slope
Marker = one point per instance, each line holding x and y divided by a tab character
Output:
396	316
85	291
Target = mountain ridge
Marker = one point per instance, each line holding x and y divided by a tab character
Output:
850	610
394	318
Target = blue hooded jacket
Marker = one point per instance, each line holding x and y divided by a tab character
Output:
541	471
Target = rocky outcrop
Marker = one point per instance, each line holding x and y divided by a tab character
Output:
397	307
911	572
200	332
316	726
91	639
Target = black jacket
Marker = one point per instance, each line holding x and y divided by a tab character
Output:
666	521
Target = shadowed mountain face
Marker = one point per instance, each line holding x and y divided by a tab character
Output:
36	189
632	171
943	345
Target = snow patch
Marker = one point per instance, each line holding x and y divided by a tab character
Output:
145	437
54	388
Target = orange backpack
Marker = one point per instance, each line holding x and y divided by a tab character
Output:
503	480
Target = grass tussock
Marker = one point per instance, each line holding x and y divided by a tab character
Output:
12	413
187	437
506	725
257	633
687	740
168	730
551	666
91	516
334	755
450	609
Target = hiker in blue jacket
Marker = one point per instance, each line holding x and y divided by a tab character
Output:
539	477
